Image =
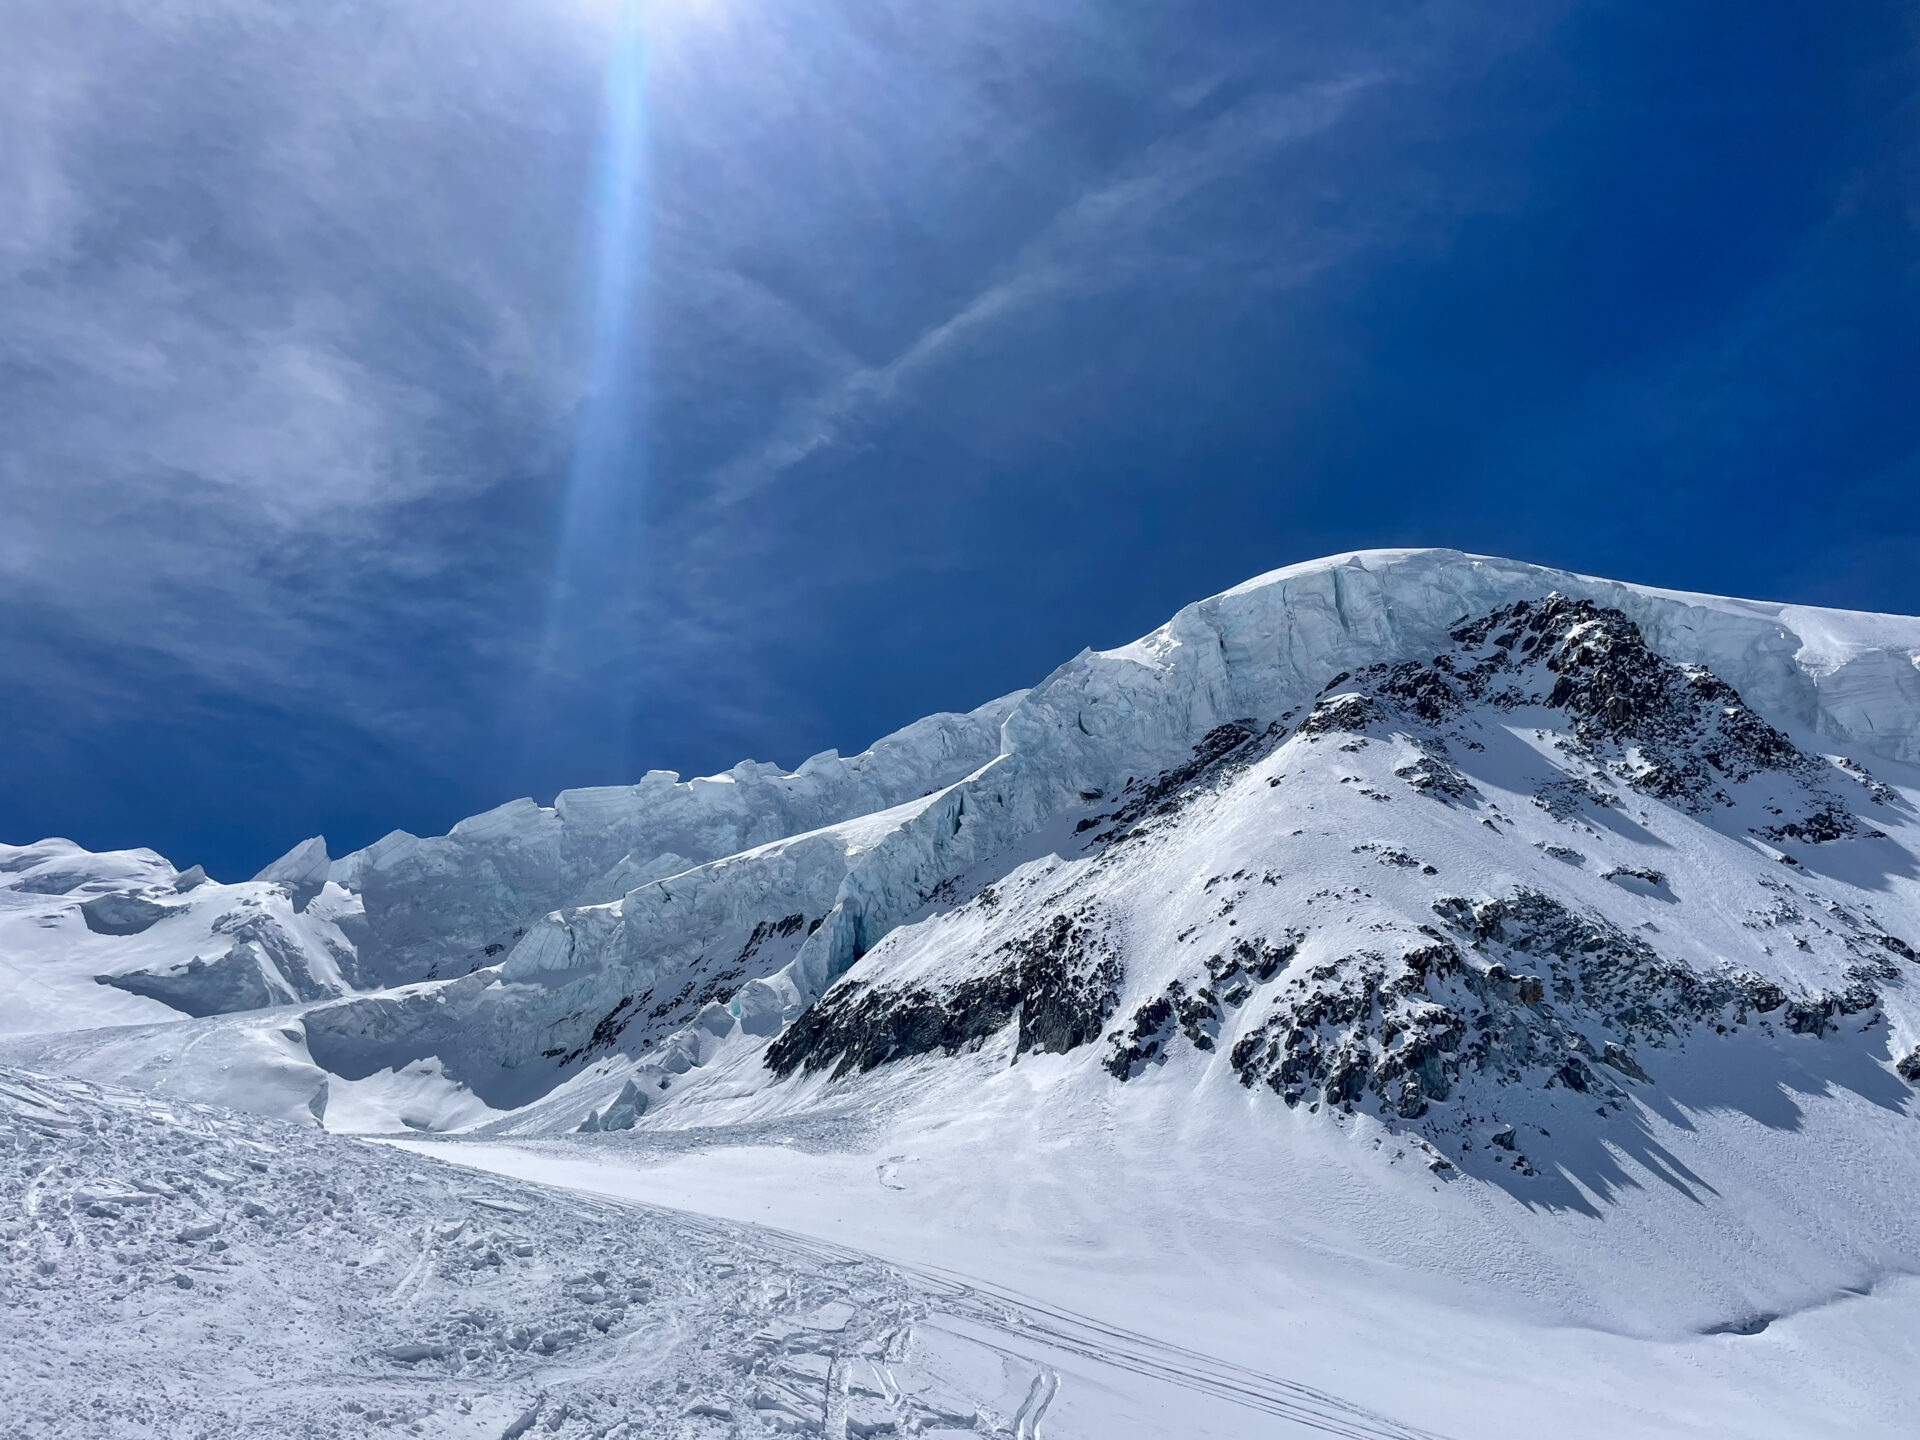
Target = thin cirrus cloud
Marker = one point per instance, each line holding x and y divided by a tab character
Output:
962	335
1106	238
224	293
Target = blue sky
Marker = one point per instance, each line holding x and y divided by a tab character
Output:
407	408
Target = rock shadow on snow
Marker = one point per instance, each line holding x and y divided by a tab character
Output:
1870	862
1764	1078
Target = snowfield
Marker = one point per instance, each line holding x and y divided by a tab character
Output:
1407	994
175	1270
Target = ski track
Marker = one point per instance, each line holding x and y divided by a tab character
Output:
174	1271
1023	1318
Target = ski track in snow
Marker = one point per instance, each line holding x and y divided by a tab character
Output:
1009	1316
175	1270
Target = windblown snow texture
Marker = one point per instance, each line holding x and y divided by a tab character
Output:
176	1270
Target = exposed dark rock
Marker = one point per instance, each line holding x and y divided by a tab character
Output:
1691	729
1817	827
1621	1059
1430	775
1388	855
1145	1042
1406	1030
1676	732
1224	752
1817	1014
605	1032
1232	977
1639	881
1062	983
1881	792
1339	714
1563	799
1199	1015
1255	957
768	930
1359	1024
123	914
1657	879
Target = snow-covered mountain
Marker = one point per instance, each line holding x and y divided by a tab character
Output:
72	921
1466	904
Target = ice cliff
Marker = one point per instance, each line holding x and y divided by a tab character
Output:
673	965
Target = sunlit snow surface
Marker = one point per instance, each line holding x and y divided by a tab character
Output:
1311	1018
175	1270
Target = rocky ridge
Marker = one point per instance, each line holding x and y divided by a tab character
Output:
1465	997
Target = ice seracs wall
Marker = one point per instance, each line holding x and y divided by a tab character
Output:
407	909
162	941
1101	720
544	951
1270	644
444	906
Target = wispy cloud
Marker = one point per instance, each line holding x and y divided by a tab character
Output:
246	328
293	349
1117	232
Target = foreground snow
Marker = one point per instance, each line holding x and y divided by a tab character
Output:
1245	1266
174	1270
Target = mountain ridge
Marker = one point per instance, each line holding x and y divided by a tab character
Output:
641	972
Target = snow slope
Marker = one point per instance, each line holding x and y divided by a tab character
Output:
178	1270
1664	1117
631	976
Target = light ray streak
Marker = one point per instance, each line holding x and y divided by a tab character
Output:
593	581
